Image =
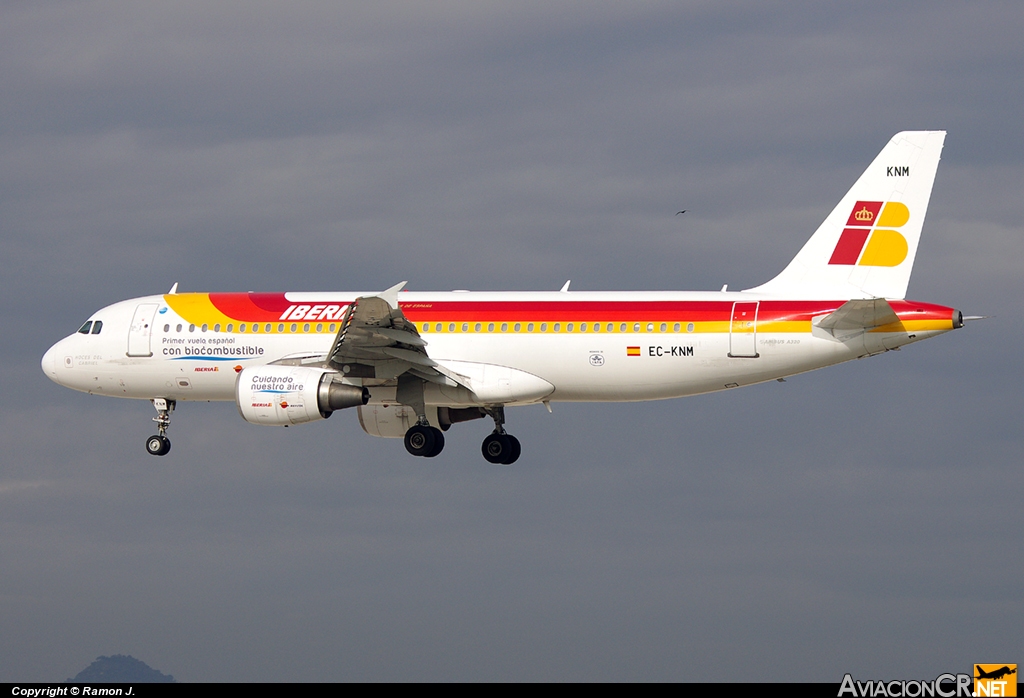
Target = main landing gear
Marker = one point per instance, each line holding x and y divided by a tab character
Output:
500	447
424	440
159	444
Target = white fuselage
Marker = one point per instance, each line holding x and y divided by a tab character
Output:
645	346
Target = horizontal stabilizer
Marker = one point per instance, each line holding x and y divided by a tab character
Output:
859	315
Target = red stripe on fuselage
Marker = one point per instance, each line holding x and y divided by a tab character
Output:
268	307
250	307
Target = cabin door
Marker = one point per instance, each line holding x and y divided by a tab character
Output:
141	331
743	330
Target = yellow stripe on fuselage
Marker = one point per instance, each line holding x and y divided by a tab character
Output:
196	308
915	326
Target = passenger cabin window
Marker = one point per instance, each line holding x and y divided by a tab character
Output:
85	328
167	328
97	326
178	328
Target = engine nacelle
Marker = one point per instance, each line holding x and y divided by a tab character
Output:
389	421
284	395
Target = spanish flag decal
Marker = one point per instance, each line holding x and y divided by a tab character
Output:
632	351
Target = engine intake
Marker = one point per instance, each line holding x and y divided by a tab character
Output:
285	395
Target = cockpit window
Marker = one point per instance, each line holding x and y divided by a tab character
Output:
97	326
85	328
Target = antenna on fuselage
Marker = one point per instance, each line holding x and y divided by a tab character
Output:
565	289
174	288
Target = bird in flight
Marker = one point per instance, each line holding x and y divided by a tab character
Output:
683	211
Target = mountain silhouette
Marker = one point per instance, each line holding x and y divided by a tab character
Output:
120	668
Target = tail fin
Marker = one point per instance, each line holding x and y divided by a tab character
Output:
867	245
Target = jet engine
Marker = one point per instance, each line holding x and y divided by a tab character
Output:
284	395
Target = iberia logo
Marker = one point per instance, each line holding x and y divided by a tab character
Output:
995	680
868	239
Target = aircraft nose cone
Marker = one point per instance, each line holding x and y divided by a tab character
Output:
49	364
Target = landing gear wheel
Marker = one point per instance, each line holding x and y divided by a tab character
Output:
496	448
513	456
421	441
158	445
438	442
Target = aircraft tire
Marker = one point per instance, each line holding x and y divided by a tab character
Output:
421	441
438	443
158	445
514	451
496	448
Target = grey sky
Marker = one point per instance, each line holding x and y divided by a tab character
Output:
865	518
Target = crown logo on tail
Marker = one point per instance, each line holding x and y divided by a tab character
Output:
863	244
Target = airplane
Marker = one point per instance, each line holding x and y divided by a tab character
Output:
412	364
995	674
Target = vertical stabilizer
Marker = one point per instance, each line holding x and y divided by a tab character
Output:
867	245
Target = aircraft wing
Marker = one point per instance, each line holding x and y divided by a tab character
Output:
377	342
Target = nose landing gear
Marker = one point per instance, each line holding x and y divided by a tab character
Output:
159	444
